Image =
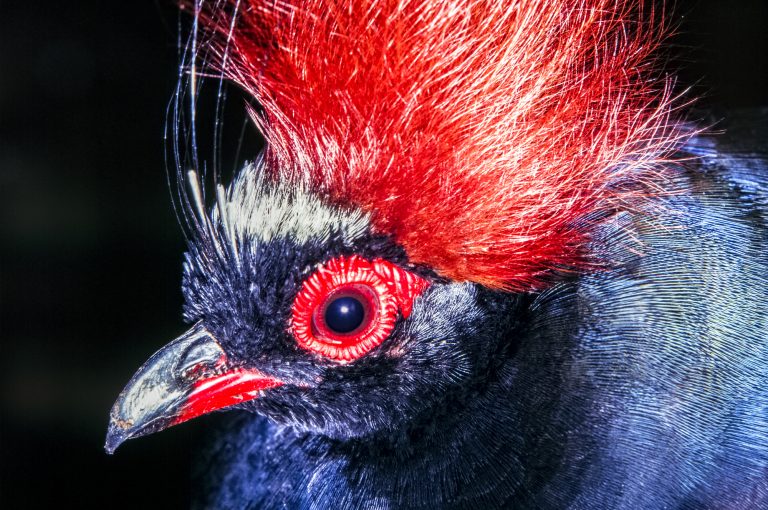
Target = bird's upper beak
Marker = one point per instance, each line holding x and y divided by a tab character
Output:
186	378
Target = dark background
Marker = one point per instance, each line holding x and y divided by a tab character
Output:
91	251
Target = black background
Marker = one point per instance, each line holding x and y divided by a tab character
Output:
91	251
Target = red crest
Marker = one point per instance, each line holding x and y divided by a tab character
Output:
484	136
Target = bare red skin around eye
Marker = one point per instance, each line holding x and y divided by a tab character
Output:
393	287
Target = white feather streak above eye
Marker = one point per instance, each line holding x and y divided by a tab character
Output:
257	210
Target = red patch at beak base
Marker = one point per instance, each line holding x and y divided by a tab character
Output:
220	391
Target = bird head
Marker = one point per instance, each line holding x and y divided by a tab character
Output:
303	313
427	166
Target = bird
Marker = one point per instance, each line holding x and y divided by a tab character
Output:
484	260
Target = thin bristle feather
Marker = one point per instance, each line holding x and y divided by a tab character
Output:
481	135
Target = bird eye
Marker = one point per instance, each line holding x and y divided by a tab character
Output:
350	305
347	311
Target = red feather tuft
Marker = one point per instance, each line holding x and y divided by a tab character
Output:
482	135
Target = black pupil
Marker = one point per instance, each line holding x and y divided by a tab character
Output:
344	314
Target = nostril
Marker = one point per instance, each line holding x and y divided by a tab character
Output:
203	369
203	357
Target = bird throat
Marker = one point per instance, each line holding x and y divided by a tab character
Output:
465	451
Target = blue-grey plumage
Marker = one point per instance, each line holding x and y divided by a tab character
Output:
671	346
643	385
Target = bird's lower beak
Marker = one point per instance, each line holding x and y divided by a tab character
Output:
186	378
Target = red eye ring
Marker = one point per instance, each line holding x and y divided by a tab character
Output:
383	288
